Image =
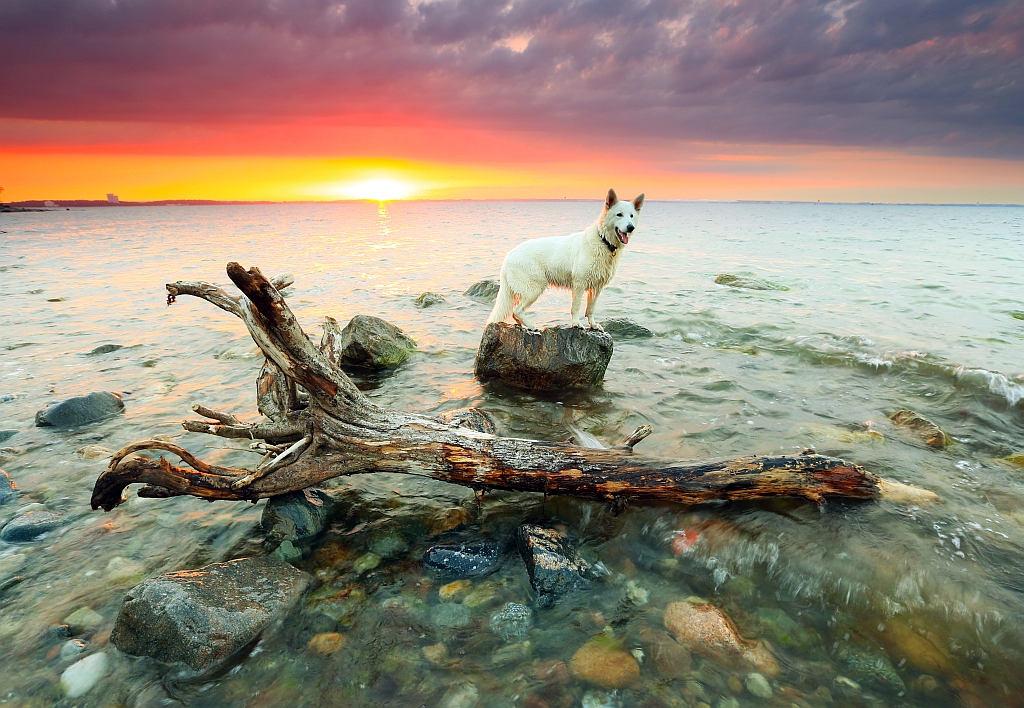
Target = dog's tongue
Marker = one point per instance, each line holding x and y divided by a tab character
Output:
624	238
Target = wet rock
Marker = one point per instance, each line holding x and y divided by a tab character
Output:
454	591
706	631
31	525
389	544
747	283
7	434
71	648
8	489
365	562
436	654
80	678
287	552
670	659
466	560
83	619
9	567
727	702
870	667
512	654
1017	459
932	434
758	685
551	561
430	299
555	358
599	663
197	619
636	593
483	290
296	516
513	621
598	699
371	343
925	684
779	626
450	616
105	349
327	642
472	418
80	410
625	328
463	694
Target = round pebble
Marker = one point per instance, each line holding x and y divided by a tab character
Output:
79	678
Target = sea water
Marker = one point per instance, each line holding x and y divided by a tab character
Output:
875	308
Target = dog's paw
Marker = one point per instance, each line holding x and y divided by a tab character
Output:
596	326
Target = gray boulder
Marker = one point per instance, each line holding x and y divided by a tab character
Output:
8	489
296	516
483	290
430	299
552	563
371	343
81	410
739	281
555	358
31	525
198	619
7	434
472	418
625	328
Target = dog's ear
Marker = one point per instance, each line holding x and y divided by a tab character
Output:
611	200
638	202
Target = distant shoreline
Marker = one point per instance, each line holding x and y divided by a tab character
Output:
60	205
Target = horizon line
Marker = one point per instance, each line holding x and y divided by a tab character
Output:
90	203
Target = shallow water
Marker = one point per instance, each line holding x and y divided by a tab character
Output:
887	307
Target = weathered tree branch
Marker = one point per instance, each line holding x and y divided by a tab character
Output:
339	431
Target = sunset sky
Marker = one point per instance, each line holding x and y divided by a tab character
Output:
869	100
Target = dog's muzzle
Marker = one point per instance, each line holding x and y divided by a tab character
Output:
622	236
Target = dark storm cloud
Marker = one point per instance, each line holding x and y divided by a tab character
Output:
938	74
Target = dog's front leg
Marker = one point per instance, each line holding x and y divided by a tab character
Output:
592	296
577	306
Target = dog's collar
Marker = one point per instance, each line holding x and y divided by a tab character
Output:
611	248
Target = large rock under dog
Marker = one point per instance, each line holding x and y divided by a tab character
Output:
554	358
198	619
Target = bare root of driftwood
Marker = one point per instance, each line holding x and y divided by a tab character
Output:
317	425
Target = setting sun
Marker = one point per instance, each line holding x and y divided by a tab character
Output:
381	189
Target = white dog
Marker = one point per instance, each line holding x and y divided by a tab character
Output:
583	262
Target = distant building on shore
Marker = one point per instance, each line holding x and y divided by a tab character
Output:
48	203
112	198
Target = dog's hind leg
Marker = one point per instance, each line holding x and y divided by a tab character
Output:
519	312
504	304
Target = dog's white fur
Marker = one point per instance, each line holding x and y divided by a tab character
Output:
581	262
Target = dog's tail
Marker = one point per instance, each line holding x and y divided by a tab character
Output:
505	303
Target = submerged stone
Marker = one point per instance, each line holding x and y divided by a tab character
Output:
80	410
71	648
463	694
80	678
513	621
747	283
83	619
758	686
105	349
296	516
465	560
706	631
602	664
932	434
872	667
30	526
472	418
784	630
7	433
371	343
555	358
551	561
483	290
450	616
389	544
430	299
625	328
200	618
671	660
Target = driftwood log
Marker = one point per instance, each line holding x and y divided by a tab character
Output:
317	425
